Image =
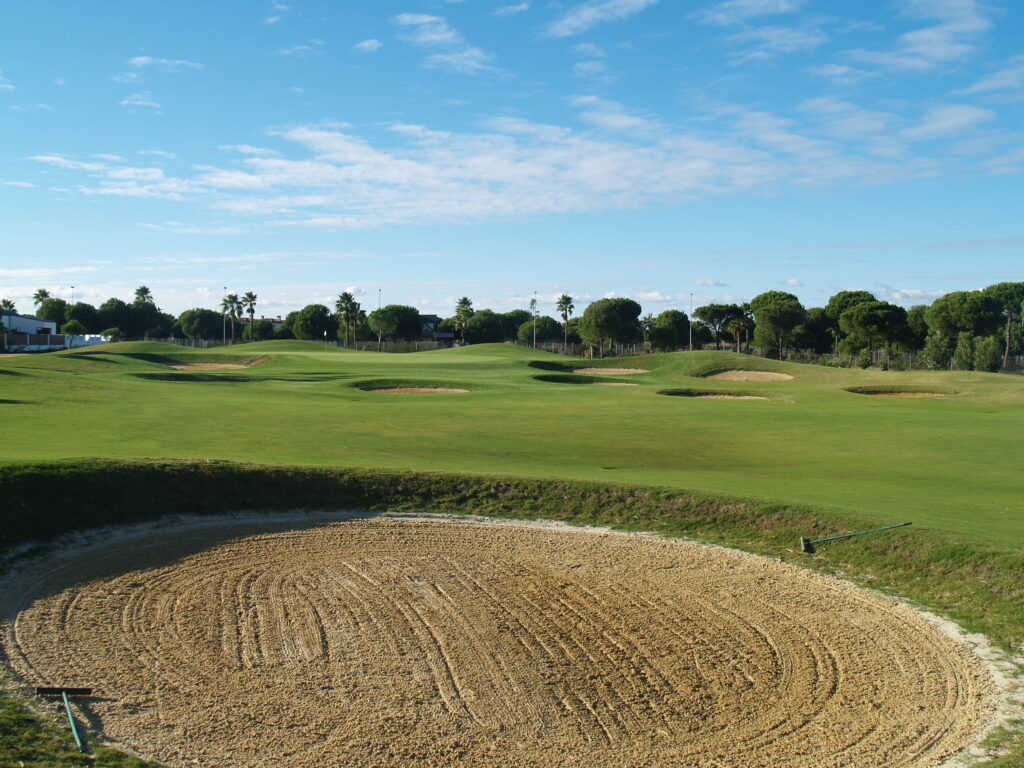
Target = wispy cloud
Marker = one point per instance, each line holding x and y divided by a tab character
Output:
510	10
271	20
841	74
586	15
144	99
949	121
301	50
164	65
793	282
369	46
763	43
739	11
25	184
1010	78
454	54
706	281
958	28
5	84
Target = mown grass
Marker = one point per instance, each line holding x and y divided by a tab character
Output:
109	436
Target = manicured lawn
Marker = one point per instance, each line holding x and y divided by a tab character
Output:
949	463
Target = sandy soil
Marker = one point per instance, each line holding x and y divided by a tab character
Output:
416	390
750	376
218	366
609	371
426	642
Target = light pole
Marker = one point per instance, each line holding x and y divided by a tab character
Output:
378	298
533	311
224	319
72	295
689	326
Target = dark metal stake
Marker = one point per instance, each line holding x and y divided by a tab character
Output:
807	545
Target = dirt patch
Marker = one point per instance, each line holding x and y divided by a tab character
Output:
219	366
609	371
749	376
416	390
412	642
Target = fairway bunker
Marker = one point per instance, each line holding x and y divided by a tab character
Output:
414	390
609	371
219	366
415	642
738	375
711	394
896	392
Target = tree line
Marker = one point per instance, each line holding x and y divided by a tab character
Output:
963	329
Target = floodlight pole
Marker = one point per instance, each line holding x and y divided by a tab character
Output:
224	320
378	298
72	295
533	308
689	325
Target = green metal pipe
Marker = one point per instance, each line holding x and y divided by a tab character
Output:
807	545
74	728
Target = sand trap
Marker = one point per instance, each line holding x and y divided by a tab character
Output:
423	642
896	394
609	371
218	366
415	390
612	384
728	397
749	376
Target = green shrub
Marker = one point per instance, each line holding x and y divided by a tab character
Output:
963	356
937	352
987	354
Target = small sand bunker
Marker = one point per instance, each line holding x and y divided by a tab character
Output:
612	384
710	394
749	376
416	390
730	397
877	393
218	366
609	371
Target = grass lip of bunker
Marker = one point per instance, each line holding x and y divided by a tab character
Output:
714	394
461	641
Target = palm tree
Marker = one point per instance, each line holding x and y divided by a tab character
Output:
565	307
463	311
143	294
349	311
8	305
40	296
249	304
232	307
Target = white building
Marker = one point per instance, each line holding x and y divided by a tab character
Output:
15	323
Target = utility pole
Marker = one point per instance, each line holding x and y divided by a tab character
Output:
689	325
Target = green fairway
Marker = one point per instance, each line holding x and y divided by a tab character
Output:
946	462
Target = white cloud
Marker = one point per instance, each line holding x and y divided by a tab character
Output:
509	10
271	20
368	46
164	65
157	153
247	149
652	296
1011	78
144	99
433	32
949	121
588	68
612	116
793	282
129	77
24	184
768	42
5	84
296	50
960	24
706	281
589	14
840	74
738	11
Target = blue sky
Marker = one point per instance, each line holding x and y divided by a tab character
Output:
429	150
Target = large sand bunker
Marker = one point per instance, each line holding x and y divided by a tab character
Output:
398	642
749	376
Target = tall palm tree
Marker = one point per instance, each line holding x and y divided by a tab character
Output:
40	296
249	304
565	308
231	305
349	311
8	305
143	295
